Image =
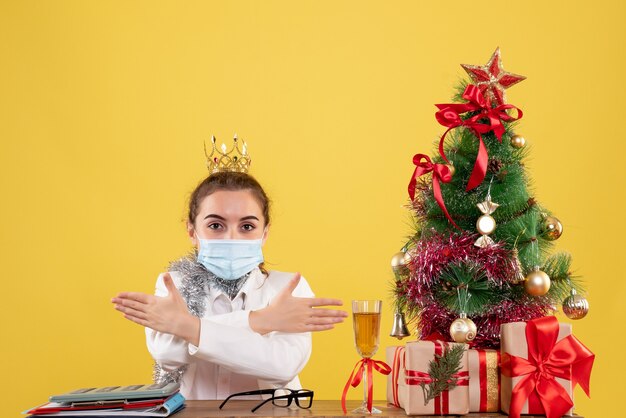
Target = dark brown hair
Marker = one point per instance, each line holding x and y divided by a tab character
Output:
229	181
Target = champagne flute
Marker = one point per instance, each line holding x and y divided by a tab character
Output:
366	320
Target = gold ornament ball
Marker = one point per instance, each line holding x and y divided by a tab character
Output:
486	224
451	168
397	262
408	256
537	283
552	228
518	141
463	330
575	306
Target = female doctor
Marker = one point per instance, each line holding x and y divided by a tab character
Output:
219	323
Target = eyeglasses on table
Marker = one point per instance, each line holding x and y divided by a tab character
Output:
280	397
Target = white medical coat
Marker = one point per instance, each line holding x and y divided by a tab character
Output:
230	356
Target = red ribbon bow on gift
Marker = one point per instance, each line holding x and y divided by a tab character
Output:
357	375
441	172
568	359
450	115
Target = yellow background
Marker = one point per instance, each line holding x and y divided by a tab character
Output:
104	107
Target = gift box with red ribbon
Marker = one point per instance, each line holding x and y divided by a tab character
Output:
541	364
411	364
484	380
395	360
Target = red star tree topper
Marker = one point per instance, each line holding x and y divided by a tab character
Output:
491	78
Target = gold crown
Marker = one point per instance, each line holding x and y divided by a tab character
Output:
234	160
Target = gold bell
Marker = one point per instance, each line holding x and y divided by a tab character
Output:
399	329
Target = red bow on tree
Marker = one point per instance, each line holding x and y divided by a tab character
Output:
568	359
488	119
441	172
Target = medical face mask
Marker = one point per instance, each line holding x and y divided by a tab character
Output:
229	259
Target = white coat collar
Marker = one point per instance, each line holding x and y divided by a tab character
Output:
249	291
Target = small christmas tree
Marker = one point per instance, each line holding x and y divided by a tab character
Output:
480	255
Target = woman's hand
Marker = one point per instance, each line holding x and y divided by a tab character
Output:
167	314
287	313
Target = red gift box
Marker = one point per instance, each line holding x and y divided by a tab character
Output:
484	380
541	364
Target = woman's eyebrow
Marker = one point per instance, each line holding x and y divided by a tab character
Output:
245	218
